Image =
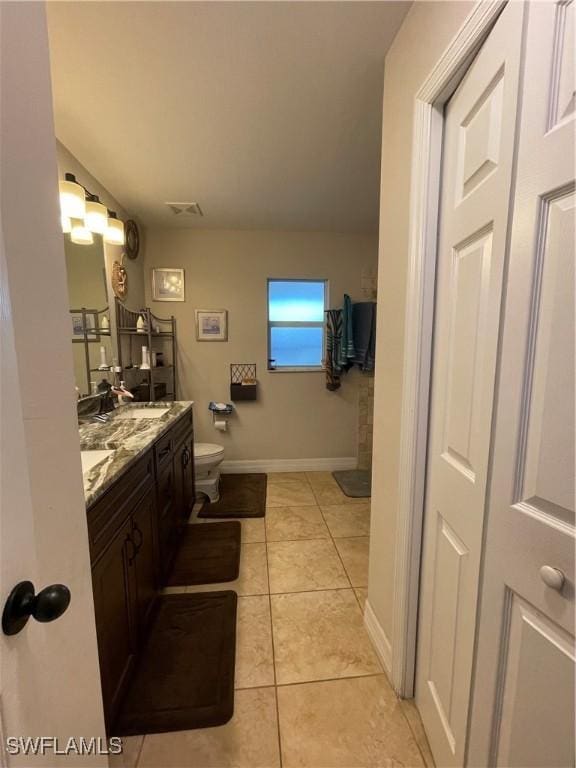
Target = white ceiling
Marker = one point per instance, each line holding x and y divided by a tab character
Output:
267	114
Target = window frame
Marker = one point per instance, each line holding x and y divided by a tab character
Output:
296	324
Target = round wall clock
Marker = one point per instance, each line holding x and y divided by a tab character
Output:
132	239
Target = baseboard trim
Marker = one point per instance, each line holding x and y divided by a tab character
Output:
288	465
379	638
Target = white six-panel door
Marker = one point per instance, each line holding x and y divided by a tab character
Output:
523	713
479	135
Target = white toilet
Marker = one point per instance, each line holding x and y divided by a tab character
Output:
207	459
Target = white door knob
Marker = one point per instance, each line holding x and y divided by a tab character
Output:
552	577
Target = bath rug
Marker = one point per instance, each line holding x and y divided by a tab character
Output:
208	554
356	483
240	496
185	676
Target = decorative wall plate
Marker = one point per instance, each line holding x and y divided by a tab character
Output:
132	239
119	280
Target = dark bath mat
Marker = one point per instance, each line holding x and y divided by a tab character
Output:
185	676
356	483
240	496
208	554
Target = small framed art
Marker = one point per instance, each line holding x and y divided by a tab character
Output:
167	284
92	332
211	325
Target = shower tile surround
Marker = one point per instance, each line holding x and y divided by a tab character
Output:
310	690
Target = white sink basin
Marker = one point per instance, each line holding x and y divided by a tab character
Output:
142	413
91	458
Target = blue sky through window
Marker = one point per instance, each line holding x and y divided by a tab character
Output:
300	303
294	300
296	346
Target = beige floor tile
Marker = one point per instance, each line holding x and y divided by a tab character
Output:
249	740
413	717
345	520
253	528
317	479
297	566
331	494
290	523
362	595
131	746
354	554
254	658
320	635
253	578
281	477
352	723
290	493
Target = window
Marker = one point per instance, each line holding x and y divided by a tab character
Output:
296	324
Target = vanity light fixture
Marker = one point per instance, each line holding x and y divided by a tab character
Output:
72	197
83	215
114	234
96	218
81	235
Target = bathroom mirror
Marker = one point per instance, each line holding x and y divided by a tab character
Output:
90	320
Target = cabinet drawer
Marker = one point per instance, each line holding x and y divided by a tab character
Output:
110	512
163	450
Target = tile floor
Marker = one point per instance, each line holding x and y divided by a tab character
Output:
310	691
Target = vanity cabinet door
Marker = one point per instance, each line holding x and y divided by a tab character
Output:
114	601
167	501
144	535
184	471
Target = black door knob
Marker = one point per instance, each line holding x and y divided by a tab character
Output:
49	604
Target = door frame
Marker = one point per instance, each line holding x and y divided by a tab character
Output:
428	126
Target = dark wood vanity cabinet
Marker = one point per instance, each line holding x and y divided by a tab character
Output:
143	559
134	531
112	582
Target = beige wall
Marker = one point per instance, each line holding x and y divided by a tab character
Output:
425	33
295	415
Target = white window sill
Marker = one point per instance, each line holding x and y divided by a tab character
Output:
298	369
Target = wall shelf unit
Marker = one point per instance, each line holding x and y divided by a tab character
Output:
87	330
158	334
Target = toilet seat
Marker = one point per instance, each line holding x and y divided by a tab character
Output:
207	453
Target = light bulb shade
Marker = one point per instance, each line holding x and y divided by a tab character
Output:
96	218
66	224
72	200
81	235
114	234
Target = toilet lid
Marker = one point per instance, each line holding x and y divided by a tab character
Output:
207	449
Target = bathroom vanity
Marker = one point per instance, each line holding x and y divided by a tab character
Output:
138	471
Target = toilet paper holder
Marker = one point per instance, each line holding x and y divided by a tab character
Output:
219	413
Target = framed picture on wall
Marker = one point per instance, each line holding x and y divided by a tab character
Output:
211	324
168	284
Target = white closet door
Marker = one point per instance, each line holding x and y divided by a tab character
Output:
480	124
523	711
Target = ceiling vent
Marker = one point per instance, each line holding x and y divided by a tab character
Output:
185	209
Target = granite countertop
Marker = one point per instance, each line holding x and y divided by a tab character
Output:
128	438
